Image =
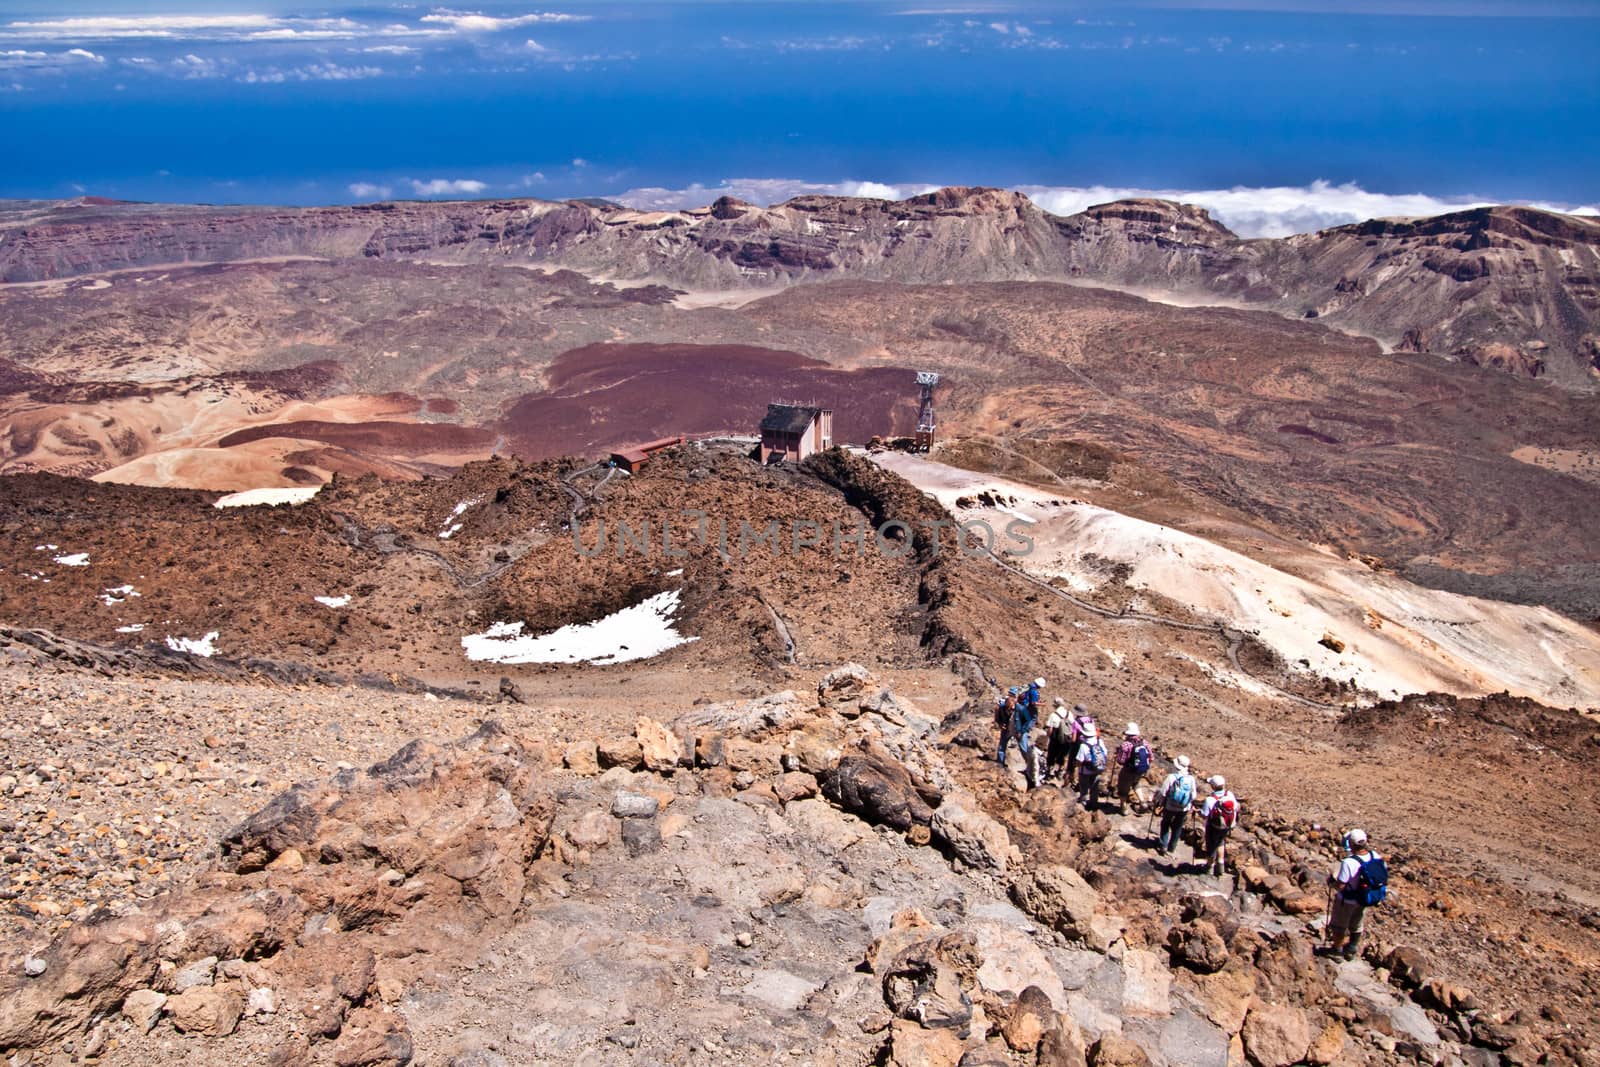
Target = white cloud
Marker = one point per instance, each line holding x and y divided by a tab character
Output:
532	179
1276	211
1251	212
47	62
217	27
107	27
370	191
477	22
534	46
313	72
447	186
390	50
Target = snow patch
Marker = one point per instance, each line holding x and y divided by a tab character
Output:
76	559
132	628
451	528
333	601
117	594
97	284
270	496
196	646
639	632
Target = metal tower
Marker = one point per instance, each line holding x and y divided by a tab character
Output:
926	423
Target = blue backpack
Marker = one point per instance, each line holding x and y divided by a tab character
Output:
1371	884
1141	758
1182	794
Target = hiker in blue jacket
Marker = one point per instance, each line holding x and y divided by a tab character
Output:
1360	881
1022	722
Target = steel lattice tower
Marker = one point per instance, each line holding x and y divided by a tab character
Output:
926	423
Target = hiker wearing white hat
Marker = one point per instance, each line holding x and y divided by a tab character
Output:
1359	882
1091	761
1133	762
1221	814
1075	727
1175	800
1057	738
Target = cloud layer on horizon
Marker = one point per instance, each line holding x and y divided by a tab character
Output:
1270	211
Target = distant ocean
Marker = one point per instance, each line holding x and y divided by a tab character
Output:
301	106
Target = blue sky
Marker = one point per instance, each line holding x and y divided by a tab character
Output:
1313	112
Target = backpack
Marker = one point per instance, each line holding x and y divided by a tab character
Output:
1224	813
1371	884
1097	756
1182	794
1141	759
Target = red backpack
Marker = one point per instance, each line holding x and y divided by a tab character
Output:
1225	812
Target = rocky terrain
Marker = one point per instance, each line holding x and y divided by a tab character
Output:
447	743
302	847
1515	289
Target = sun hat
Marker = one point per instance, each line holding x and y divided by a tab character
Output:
1132	730
1079	709
1218	782
1060	703
1182	763
1039	682
1355	838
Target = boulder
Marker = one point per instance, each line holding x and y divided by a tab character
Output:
843	687
1059	897
1198	946
1114	1050
142	1008
206	1010
592	829
1409	966
911	1045
582	757
930	981
1063	1046
876	787
640	836
761	760
975	838
661	749
794	785
1276	1035
624	752
628	805
709	751
1030	1018
1328	1048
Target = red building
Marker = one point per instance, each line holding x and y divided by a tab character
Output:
633	457
791	432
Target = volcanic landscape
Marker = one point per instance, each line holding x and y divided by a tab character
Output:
336	731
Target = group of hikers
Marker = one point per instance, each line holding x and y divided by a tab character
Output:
1076	756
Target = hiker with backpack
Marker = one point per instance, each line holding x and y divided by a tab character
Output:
1005	711
1361	881
1080	722
1133	762
1091	765
1174	801
1221	814
1057	732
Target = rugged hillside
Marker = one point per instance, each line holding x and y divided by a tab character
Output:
1510	288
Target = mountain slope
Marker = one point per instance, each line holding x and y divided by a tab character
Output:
1511	288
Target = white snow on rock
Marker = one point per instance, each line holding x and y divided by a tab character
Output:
251	497
196	646
75	559
132	628
1398	637
451	527
117	594
44	548
333	601
639	632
